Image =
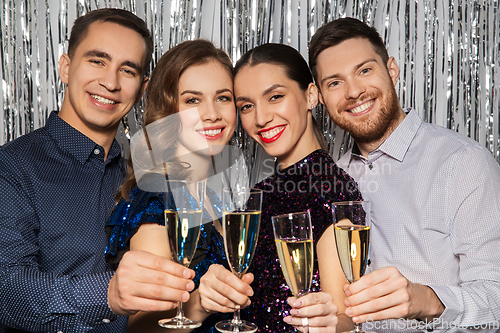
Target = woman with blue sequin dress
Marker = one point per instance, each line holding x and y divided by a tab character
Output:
275	95
189	119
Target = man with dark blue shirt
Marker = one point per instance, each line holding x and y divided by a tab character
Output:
57	185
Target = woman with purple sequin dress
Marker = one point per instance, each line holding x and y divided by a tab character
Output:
275	95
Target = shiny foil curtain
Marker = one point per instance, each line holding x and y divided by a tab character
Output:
448	52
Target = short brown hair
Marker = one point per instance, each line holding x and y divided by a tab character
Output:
114	15
340	30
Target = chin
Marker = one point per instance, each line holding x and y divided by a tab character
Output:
275	154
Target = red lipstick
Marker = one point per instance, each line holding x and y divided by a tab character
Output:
275	137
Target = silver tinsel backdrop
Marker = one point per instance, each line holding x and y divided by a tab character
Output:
448	52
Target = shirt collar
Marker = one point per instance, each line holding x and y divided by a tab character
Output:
398	143
75	142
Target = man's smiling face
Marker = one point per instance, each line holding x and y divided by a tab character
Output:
104	78
357	89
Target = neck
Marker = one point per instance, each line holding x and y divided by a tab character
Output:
307	143
201	164
366	148
103	137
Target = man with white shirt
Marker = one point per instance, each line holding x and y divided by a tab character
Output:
435	194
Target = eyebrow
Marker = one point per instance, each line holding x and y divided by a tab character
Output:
199	93
194	92
105	55
271	88
242	98
220	91
267	91
358	66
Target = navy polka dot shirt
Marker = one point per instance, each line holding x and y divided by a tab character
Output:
56	191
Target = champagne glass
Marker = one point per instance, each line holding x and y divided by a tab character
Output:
241	222
183	218
294	242
352	235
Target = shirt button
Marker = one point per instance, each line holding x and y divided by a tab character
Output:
96	151
370	166
106	321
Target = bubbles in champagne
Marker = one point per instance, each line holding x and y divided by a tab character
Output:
352	248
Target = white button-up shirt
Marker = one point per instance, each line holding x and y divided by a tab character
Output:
436	217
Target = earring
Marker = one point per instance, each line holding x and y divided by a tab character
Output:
312	106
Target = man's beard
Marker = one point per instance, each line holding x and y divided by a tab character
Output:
374	128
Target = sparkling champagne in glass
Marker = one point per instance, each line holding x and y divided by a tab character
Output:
240	225
183	218
294	243
352	236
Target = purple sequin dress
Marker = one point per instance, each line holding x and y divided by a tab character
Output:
314	183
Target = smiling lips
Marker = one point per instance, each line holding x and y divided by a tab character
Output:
272	134
102	100
363	108
211	133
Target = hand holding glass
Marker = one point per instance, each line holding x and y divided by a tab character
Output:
241	223
183	218
352	234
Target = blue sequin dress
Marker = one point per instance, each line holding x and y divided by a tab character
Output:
313	183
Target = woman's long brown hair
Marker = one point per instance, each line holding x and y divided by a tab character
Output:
161	97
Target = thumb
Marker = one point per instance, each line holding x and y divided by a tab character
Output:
248	278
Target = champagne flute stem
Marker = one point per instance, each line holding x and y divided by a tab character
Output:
180	311
236	318
357	328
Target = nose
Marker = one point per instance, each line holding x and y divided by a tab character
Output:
210	112
262	116
354	89
110	80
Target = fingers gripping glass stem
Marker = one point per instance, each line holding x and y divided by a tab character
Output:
242	209
183	218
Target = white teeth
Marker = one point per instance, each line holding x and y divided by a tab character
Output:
362	107
272	133
211	132
102	100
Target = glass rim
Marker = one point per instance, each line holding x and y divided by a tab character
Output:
350	203
292	213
